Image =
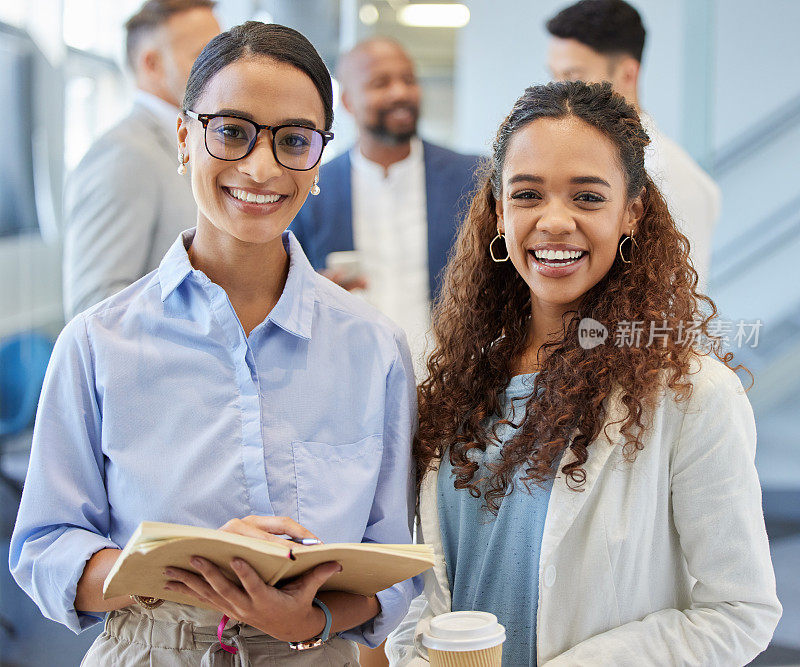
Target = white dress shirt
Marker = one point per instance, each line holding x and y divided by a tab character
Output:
390	233
694	199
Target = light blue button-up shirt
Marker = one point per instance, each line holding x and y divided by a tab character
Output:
157	407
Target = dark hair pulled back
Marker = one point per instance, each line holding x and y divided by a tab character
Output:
270	40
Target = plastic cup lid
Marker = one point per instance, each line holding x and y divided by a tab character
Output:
464	631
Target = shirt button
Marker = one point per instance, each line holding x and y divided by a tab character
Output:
550	576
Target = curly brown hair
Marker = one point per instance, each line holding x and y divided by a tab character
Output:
481	323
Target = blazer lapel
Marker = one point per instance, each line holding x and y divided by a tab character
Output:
565	504
338	180
437	209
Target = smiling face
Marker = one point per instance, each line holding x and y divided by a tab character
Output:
564	208
269	93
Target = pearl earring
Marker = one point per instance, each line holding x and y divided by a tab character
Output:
315	188
182	165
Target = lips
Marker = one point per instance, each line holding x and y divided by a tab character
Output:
557	263
252	201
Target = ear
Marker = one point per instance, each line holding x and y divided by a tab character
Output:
183	132
498	209
628	72
150	61
346	102
635	213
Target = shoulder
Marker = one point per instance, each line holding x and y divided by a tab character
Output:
446	156
715	390
337	165
712	381
674	163
354	312
142	297
119	150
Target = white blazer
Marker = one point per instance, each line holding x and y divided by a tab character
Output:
663	561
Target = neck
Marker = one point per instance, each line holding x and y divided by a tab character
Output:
253	275
546	323
381	152
158	91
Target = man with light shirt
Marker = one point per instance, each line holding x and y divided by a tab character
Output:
125	203
393	198
603	40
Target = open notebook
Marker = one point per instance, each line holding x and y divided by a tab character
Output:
366	568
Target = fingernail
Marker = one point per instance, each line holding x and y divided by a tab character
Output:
237	562
169	572
196	562
167	587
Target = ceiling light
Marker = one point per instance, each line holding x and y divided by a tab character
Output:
368	14
421	15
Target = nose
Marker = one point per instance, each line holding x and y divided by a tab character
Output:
260	165
555	218
401	89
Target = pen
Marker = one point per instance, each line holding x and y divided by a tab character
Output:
305	541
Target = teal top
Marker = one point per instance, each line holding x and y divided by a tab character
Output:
493	562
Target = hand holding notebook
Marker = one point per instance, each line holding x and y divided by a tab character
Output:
366	567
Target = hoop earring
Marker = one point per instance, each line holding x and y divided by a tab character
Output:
491	249
182	163
315	188
630	254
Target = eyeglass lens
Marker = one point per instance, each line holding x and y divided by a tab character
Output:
295	147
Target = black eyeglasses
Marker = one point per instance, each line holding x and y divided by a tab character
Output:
232	138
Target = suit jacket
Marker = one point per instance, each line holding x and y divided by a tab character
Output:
325	223
663	560
124	206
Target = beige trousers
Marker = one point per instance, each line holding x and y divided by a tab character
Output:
175	635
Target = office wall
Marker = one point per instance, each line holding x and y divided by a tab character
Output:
503	49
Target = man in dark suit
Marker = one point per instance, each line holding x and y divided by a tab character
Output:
395	199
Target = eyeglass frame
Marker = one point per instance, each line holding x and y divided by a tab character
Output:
205	118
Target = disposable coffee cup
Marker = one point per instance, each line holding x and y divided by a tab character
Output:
465	639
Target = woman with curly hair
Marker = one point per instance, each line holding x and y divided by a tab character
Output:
599	496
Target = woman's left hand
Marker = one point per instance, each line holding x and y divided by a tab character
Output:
284	613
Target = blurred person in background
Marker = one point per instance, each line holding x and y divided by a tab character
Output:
125	203
603	40
392	197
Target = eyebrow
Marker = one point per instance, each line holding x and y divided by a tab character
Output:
578	180
305	122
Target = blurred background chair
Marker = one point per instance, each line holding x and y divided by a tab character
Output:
23	362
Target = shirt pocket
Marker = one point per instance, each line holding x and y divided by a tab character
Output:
336	486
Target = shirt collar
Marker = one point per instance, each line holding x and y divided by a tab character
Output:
294	311
165	114
360	163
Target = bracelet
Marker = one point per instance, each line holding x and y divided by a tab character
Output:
147	602
321	638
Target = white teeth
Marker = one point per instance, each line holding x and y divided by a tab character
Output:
243	195
554	255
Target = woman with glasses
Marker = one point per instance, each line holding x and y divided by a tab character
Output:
231	387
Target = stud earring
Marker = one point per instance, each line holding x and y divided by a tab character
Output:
315	188
182	161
